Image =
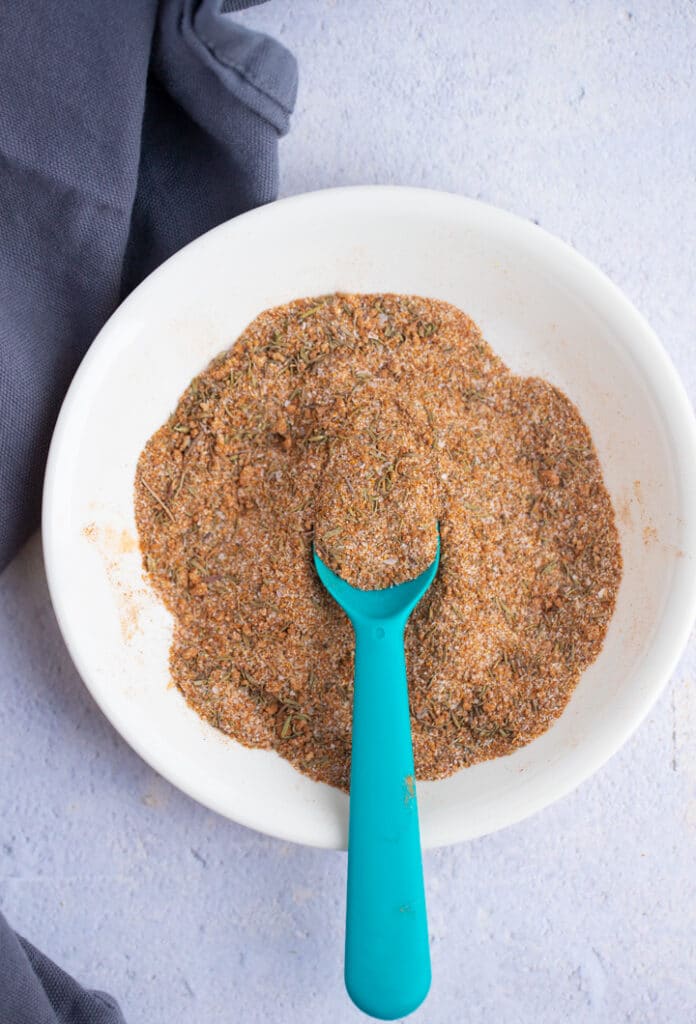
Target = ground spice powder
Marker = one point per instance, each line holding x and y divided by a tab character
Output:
361	422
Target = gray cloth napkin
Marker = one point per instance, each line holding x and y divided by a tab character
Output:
34	991
126	129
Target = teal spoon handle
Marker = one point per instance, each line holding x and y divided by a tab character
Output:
387	965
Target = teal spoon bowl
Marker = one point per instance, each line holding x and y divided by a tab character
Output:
387	959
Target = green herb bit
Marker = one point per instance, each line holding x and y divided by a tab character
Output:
504	611
177	492
156	497
310	312
548	567
474	395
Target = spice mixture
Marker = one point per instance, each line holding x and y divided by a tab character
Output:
360	422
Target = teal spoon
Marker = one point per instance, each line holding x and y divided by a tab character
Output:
387	964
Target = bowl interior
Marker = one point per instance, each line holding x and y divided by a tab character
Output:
543	309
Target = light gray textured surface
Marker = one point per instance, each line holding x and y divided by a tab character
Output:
581	116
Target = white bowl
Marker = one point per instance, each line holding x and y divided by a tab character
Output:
544	309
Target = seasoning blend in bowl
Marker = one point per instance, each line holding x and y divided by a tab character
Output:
360	421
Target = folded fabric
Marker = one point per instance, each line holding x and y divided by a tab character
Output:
33	990
125	131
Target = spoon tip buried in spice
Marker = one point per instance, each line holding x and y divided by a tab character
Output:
393	603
